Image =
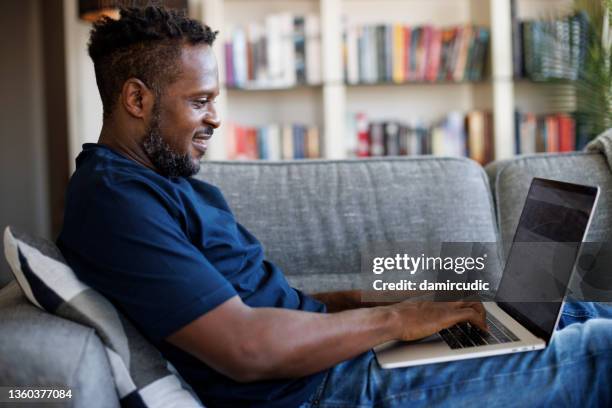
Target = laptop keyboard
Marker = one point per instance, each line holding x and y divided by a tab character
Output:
464	335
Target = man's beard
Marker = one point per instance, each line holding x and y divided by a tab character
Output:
166	160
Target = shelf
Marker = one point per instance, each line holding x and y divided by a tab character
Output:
272	89
330	103
415	83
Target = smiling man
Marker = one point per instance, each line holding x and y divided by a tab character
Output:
168	252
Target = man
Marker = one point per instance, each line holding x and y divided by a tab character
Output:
167	251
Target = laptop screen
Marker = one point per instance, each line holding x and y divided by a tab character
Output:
542	256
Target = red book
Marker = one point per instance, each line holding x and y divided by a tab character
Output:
251	143
433	55
567	137
552	134
363	136
407	39
240	152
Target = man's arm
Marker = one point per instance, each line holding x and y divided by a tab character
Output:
341	300
352	299
249	344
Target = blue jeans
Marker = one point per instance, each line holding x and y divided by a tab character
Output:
574	370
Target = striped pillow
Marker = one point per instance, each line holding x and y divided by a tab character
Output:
142	377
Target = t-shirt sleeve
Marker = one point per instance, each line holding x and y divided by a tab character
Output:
130	246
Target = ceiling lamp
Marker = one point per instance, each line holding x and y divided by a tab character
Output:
92	10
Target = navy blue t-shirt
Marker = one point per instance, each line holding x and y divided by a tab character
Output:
166	250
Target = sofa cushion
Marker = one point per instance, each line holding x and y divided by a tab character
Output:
141	376
512	180
316	217
42	350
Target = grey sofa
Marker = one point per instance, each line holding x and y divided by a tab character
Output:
314	219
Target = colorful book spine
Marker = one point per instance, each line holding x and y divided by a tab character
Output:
549	133
456	134
273	142
398	53
282	51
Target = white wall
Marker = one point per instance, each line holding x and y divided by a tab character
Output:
84	104
23	183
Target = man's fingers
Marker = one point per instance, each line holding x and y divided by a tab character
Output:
478	306
469	314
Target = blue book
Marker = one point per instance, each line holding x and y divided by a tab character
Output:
262	142
298	142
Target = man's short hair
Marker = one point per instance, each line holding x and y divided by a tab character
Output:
144	43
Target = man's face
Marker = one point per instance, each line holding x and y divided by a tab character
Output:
184	117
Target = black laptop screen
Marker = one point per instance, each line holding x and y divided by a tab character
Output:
546	243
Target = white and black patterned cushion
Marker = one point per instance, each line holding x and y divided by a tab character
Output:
142	377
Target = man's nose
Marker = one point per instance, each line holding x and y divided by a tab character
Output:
212	118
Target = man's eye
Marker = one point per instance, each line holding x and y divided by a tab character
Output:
200	103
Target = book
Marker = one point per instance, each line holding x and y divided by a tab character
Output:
352	55
363	135
391	131
462	56
399	55
298	134
545	133
381	53
552	48
313	143
287	142
274	51
229	64
262	142
433	56
313	49
528	133
475	125
239	61
377	140
552	134
456	134
415	38
273	141
288	55
282	51
299	42
567	135
407	57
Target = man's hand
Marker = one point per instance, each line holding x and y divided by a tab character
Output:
416	320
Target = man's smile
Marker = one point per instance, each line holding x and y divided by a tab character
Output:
200	140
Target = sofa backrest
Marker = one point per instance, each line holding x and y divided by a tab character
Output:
315	217
513	177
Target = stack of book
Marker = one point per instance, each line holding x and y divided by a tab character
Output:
398	53
544	133
458	134
550	49
283	51
273	142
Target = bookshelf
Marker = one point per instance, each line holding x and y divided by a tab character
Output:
328	104
537	96
551	97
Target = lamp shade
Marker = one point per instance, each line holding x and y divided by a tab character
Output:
92	10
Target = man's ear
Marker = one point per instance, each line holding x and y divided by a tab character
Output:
137	98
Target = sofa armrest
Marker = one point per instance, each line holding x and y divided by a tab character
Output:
39	349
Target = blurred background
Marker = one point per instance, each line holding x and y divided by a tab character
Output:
308	79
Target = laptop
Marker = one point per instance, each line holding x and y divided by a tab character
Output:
555	217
